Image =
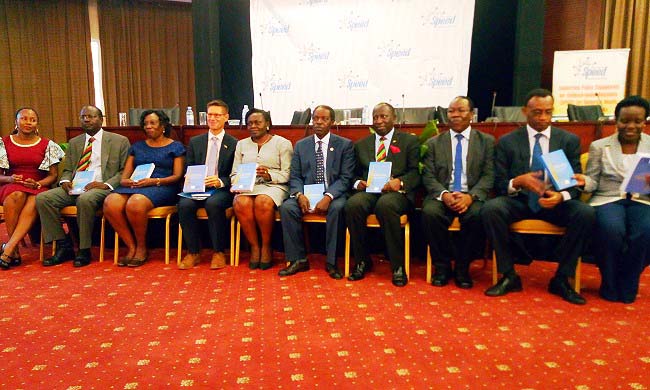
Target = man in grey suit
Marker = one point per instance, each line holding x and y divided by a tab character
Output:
99	151
458	175
322	158
216	149
524	194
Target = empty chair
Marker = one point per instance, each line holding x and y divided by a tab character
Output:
509	114
441	115
339	113
173	113
301	117
584	113
415	114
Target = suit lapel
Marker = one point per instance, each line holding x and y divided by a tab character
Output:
203	149
473	151
106	147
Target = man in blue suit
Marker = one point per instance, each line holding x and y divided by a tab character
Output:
216	149
525	194
322	158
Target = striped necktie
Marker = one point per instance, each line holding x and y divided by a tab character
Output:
381	150
84	161
320	166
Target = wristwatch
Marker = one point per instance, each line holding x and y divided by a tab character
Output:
296	195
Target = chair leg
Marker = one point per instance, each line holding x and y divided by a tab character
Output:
347	252
116	248
232	241
180	245
494	267
407	249
576	282
428	265
101	240
237	243
167	234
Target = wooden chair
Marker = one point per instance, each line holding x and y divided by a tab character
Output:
373	222
165	212
71	212
537	226
203	214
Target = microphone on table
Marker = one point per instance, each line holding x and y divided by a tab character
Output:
261	101
493	116
403	108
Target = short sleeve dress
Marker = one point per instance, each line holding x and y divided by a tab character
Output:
32	161
163	157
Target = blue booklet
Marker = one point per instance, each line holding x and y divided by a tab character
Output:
244	180
378	176
80	181
195	178
559	169
143	171
637	180
314	192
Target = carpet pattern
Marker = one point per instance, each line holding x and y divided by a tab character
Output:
104	327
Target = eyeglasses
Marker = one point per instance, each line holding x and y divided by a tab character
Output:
82	117
210	115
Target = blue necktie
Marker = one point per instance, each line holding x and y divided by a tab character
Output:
458	163
536	165
320	166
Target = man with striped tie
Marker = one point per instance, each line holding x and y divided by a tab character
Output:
98	151
397	196
322	158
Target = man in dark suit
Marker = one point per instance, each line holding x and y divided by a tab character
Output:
397	196
458	175
99	151
216	150
322	158
524	194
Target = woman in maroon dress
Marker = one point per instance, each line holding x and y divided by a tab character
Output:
28	166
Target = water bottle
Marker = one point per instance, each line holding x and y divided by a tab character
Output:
244	111
189	116
365	115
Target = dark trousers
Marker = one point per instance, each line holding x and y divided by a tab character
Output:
215	206
388	207
292	229
623	242
497	214
436	219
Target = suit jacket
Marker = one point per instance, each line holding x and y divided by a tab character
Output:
197	153
339	166
512	157
115	149
605	170
404	153
438	164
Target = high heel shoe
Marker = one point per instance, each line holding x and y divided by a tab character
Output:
13	260
264	265
5	261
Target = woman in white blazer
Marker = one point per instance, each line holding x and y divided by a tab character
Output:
622	219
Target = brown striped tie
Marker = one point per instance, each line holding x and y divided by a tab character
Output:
84	162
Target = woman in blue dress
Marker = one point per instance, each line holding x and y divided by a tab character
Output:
127	207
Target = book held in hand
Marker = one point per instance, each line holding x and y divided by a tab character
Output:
314	192
143	171
198	195
80	181
195	178
378	176
636	182
244	180
559	169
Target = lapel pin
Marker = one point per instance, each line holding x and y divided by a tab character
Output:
331	149
225	146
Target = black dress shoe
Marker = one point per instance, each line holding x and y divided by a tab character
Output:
333	272
64	252
399	277
294	268
360	270
82	259
505	285
562	288
462	278
440	277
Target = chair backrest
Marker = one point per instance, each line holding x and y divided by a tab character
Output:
509	114
301	117
354	113
415	114
441	115
584	113
174	114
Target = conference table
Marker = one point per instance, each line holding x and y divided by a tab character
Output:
587	131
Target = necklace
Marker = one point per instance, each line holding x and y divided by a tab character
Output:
259	146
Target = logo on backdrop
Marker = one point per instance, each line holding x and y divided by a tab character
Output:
439	18
275	26
394	50
313	54
354	23
353	82
589	69
276	84
309	3
435	79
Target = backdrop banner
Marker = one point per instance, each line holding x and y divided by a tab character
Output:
356	53
589	77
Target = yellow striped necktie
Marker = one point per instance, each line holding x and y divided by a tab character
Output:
381	150
84	161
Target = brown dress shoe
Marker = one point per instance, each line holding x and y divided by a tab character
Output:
189	261
218	260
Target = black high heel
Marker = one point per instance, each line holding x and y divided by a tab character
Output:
13	261
4	264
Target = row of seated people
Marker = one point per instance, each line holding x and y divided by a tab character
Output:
460	169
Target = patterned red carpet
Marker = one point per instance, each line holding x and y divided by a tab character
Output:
104	327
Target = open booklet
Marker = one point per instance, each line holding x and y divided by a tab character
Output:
637	180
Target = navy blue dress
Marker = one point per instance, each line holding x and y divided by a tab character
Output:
163	157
